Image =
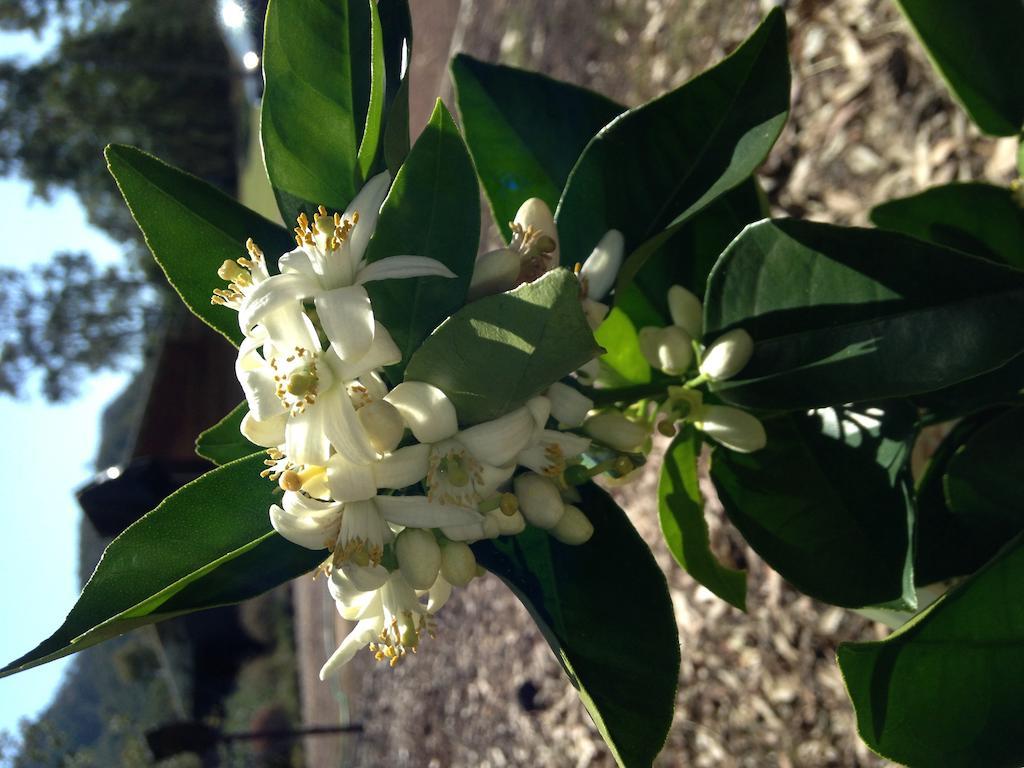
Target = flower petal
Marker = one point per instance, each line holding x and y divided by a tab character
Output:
403	467
258	385
569	406
426	409
395	267
493	272
268	433
347	319
601	268
305	441
367	204
342	427
383	351
498	441
349	481
308	525
418	512
298	262
273	293
353	603
438	595
363	633
365	577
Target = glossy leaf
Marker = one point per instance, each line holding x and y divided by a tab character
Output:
368	145
612	630
842	315
975	218
524	130
191	228
827	503
223	442
432	210
493	355
623	361
1002	386
657	165
976	48
316	65
681	511
944	690
195	550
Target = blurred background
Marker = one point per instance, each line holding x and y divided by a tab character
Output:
105	381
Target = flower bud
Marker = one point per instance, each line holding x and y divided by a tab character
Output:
727	355
574	527
569	406
616	431
595	312
508	525
599	271
419	557
539	500
675	350
735	429
536	213
458	564
383	424
686	310
649	338
493	272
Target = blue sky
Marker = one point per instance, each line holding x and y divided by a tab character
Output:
48	452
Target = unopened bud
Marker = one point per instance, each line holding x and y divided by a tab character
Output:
539	500
569	406
675	350
601	268
574	527
727	356
508	525
383	424
419	557
458	564
686	310
535	213
616	431
735	429
493	272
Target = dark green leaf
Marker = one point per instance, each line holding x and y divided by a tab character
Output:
1003	386
944	690
605	610
396	22
681	510
316	65
975	218
976	47
983	480
946	544
827	503
496	353
432	210
659	164
367	153
396	133
223	442
188	553
524	130
842	315
191	228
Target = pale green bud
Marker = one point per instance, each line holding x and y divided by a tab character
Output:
419	557
616	431
675	350
727	356
574	527
539	500
599	271
569	406
735	429
458	564
686	310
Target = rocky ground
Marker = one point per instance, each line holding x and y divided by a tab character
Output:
870	121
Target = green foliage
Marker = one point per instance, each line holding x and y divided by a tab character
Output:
944	690
191	228
533	335
224	442
659	164
524	130
681	512
976	48
975	218
197	552
432	210
842	315
828	504
573	594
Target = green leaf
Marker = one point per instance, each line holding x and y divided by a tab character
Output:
841	315
982	479
432	210
681	511
191	228
605	610
524	130
949	545
367	153
944	690
316	65
496	353
976	48
827	502
1002	386
657	165
623	360
396	23
224	442
197	549
975	218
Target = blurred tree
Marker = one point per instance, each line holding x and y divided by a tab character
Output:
69	317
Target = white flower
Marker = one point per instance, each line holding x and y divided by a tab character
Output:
569	406
598	273
686	311
549	451
727	355
735	429
532	251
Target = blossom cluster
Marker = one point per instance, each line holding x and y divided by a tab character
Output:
384	477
